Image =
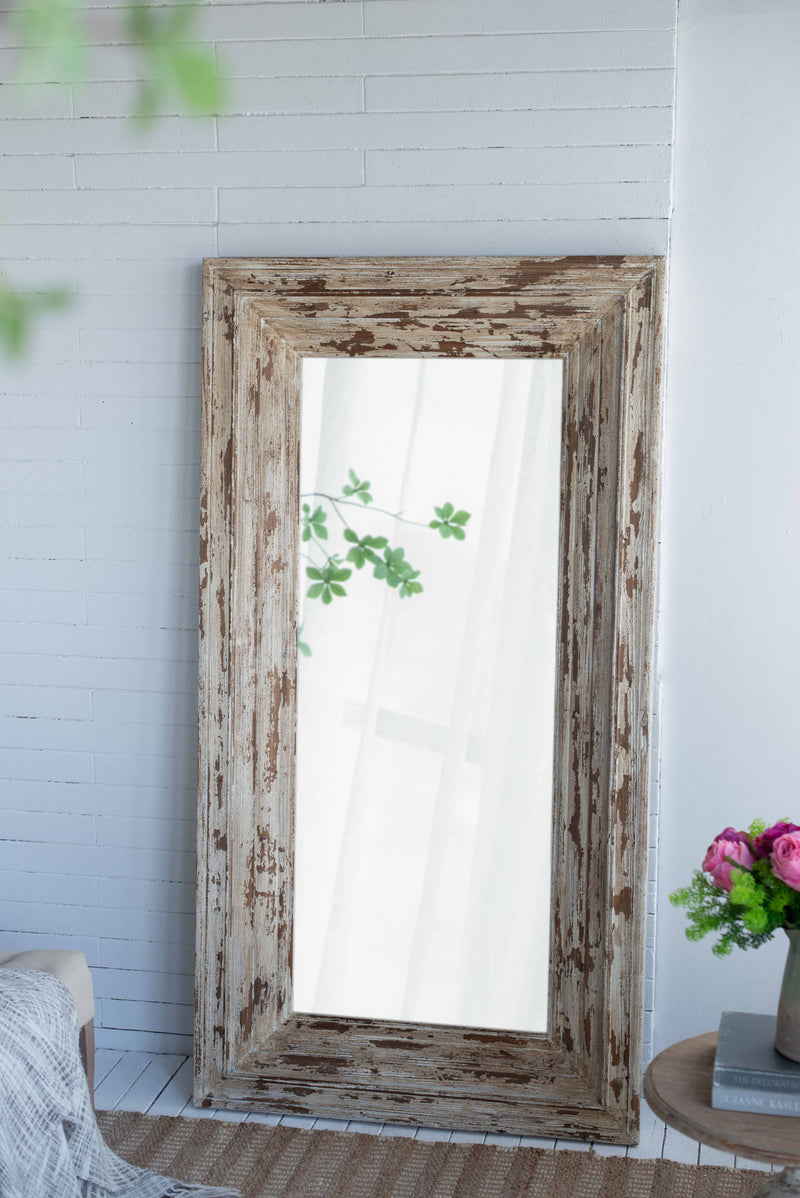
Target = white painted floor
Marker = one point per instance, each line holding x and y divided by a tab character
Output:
162	1085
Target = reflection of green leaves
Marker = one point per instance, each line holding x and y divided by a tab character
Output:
398	573
392	568
358	490
302	646
327	580
363	548
450	523
18	313
389	565
314	523
408	587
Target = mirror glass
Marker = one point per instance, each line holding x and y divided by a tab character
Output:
429	568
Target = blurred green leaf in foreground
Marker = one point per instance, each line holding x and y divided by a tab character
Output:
18	312
54	37
171	63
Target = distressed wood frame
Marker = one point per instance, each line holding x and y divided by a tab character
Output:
603	316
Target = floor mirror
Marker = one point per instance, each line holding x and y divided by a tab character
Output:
426	606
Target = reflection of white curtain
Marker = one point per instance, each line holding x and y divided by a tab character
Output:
425	725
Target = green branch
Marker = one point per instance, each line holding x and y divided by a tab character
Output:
338	499
389	564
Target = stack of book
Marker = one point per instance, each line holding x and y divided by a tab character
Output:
749	1073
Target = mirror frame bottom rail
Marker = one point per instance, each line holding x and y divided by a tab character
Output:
603	317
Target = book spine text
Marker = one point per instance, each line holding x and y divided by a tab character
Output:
758	1102
749	1079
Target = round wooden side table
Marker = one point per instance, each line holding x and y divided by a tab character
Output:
678	1088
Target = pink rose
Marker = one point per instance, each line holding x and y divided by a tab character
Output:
741	837
724	855
786	859
762	845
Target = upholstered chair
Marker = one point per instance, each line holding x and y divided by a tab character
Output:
73	971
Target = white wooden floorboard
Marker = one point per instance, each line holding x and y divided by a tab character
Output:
188	1111
104	1061
762	1166
433	1135
605	1149
501	1141
151	1081
401	1131
161	1084
118	1081
304	1122
467	1137
651	1137
175	1095
680	1148
274	1120
715	1156
366	1129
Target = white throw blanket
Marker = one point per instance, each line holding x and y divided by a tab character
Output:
50	1144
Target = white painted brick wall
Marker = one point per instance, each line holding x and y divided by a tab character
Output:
382	127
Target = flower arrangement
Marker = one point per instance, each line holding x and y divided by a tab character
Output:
748	887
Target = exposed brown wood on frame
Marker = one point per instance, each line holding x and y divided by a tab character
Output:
603	316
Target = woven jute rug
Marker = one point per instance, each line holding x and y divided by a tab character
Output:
283	1162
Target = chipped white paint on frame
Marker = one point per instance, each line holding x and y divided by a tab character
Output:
603	316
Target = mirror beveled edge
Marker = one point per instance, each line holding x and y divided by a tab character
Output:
604	317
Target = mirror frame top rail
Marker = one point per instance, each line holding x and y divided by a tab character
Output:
603	317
